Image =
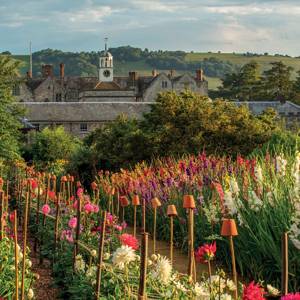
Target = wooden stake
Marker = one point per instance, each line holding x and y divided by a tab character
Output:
56	221
144	216
154	231
24	245
234	275
16	255
171	239
37	216
191	243
1	215
134	220
143	267
285	264
76	248
100	256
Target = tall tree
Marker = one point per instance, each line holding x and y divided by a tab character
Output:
277	82
242	85
9	111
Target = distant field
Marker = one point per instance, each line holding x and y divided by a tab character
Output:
239	59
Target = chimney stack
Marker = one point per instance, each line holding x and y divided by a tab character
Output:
62	70
172	73
154	73
47	70
133	76
199	75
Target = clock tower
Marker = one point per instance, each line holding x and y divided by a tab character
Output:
106	67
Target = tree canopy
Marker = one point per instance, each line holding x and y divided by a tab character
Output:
10	113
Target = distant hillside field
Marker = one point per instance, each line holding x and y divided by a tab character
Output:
127	58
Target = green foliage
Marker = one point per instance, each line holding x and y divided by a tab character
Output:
188	123
52	148
176	125
119	143
247	85
9	111
277	83
86	63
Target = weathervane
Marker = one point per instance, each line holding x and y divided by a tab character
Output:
105	40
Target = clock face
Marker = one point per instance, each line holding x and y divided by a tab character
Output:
106	73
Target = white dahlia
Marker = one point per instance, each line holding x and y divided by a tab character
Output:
123	256
163	269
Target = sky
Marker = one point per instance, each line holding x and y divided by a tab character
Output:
191	25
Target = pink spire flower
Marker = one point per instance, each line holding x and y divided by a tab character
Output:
129	240
253	292
72	223
46	209
206	253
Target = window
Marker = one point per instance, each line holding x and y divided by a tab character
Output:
164	84
58	97
83	127
16	90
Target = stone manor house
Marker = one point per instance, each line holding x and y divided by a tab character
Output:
81	104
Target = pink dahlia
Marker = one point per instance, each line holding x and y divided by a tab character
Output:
46	209
88	207
73	223
129	240
253	292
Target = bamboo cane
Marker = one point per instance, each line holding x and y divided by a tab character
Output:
37	216
171	239
100	256
24	246
154	230
1	214
144	216
143	267
234	275
191	243
76	248
56	221
7	194
16	255
134	220
285	264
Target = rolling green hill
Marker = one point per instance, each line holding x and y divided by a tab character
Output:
126	59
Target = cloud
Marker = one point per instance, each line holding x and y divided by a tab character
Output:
159	6
199	25
88	15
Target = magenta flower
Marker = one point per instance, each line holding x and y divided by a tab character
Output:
46	209
73	223
88	208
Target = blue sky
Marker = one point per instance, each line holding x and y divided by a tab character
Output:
199	25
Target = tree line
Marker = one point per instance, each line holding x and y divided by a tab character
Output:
249	84
86	63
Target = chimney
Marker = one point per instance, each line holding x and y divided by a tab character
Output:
154	73
62	70
199	75
133	76
172	73
47	70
